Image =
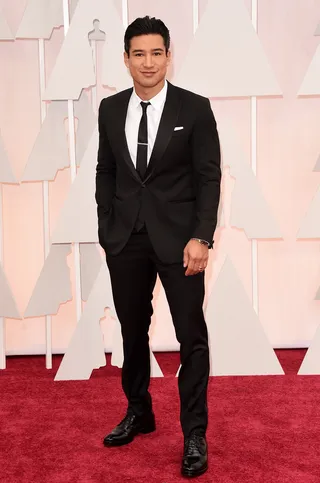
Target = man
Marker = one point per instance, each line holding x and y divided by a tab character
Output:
157	190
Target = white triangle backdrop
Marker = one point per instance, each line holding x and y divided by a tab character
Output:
249	209
6	174
228	48
8	307
5	31
53	286
40	18
78	218
73	72
311	82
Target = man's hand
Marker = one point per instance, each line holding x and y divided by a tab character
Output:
195	257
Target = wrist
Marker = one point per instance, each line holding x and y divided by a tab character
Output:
202	242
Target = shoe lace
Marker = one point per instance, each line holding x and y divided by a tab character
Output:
192	444
127	421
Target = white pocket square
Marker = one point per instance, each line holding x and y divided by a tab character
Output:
178	128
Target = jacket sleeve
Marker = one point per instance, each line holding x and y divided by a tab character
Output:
206	160
106	167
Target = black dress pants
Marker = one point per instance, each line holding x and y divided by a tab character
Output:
133	275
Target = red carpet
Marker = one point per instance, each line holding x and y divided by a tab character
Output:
262	429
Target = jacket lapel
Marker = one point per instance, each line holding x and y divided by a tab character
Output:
120	125
166	127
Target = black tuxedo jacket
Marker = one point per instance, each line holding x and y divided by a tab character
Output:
179	195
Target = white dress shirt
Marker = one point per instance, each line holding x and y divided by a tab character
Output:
134	113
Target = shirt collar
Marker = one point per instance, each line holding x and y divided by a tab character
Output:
157	101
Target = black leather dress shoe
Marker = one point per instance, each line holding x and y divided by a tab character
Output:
129	427
195	456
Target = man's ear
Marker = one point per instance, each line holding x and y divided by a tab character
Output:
126	59
169	57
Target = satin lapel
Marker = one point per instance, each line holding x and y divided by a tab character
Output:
166	127
120	119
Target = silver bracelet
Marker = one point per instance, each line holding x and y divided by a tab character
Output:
202	242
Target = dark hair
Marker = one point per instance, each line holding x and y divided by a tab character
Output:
146	26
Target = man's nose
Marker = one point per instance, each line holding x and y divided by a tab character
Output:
148	61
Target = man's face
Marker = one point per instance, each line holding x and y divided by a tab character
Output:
148	60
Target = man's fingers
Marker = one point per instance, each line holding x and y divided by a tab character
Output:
185	258
196	265
191	270
189	267
203	264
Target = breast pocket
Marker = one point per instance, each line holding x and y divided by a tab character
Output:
180	138
179	132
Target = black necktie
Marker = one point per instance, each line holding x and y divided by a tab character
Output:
142	151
